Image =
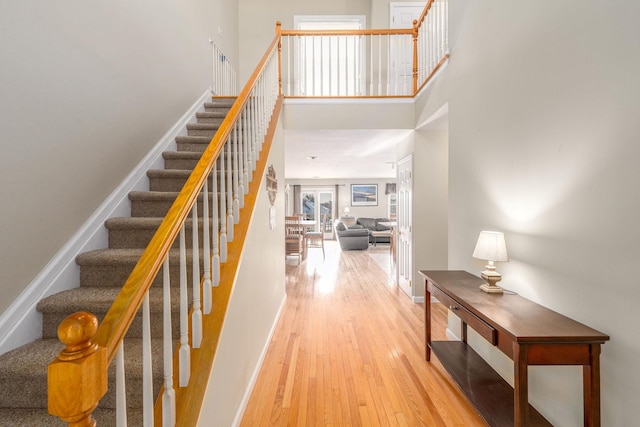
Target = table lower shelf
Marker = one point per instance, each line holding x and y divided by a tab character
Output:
488	392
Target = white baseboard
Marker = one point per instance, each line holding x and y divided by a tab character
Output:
418	300
21	323
256	371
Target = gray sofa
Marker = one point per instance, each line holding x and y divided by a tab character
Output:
378	233
354	237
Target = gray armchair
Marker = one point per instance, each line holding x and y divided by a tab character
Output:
355	237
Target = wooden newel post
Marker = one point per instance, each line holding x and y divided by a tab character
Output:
77	379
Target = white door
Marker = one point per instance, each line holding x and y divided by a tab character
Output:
405	222
402	15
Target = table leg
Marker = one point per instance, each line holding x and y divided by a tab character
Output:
427	321
591	387
521	384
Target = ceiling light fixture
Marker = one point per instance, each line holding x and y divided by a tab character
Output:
312	157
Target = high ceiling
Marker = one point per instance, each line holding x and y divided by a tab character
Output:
341	154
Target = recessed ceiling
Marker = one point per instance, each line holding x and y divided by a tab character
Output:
341	154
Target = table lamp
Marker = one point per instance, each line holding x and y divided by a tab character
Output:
491	247
346	211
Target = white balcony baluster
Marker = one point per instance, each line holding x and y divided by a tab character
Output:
169	394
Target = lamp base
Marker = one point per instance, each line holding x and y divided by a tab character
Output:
492	277
490	289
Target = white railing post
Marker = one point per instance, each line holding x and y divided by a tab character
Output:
230	219
236	184
206	254
223	204
169	395
184	361
147	365
196	315
215	232
121	388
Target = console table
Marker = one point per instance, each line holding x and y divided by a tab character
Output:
528	333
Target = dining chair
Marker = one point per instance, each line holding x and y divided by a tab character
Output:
315	239
294	237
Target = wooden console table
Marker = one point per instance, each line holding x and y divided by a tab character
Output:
528	333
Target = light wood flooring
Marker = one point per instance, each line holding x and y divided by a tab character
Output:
349	351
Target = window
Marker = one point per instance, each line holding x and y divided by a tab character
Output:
329	65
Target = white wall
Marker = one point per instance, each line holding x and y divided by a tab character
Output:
543	145
87	90
255	303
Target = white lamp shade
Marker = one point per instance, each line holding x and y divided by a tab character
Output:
347	210
491	247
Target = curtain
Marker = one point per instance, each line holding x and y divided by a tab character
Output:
296	199
391	188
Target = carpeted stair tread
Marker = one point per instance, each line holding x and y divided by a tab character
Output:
30	360
23	375
94	300
57	307
207	126
111	267
109	257
137	232
31	417
181	155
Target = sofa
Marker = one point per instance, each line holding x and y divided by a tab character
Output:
354	237
378	233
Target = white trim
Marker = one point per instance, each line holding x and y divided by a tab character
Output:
21	323
418	300
256	371
300	19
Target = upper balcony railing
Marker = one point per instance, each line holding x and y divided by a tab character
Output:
365	63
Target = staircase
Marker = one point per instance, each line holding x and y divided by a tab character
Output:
23	371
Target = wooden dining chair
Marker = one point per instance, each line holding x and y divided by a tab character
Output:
294	237
315	239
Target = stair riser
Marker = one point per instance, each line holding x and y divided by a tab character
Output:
202	132
116	275
172	183
157	209
217	108
131	238
210	120
172	163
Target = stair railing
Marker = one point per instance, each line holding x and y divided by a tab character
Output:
78	377
224	74
366	63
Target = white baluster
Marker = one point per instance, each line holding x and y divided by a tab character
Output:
230	219
169	395
236	183
147	369
223	204
121	388
206	254
215	260
240	161
196	315
184	361
245	145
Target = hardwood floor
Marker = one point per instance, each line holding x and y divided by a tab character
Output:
349	351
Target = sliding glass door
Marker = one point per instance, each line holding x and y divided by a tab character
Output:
317	204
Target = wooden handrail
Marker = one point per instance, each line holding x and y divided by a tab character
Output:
381	32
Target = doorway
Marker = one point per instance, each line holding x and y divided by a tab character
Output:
316	203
